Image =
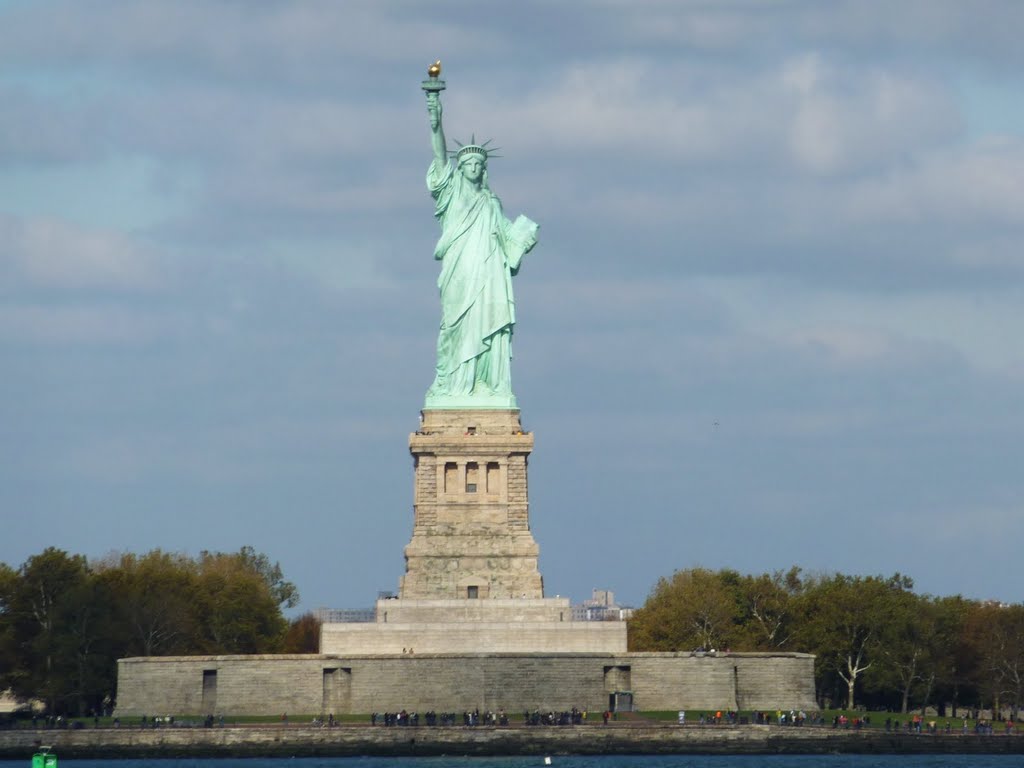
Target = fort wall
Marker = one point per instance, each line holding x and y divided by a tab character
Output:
339	684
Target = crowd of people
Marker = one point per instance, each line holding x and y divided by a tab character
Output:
917	724
432	718
574	716
757	717
912	724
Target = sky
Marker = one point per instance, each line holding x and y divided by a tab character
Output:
773	318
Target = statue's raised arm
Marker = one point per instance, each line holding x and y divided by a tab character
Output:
436	129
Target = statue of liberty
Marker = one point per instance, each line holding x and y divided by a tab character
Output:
480	251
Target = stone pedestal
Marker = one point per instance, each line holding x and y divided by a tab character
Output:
471	535
471	582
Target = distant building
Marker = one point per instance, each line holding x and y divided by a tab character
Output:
601	607
345	615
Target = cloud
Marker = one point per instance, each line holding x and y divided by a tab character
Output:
35	130
860	120
55	254
980	185
847	347
96	324
317	41
983	32
803	114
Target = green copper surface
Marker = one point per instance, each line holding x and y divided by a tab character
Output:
480	250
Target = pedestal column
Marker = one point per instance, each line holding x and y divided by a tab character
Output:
471	530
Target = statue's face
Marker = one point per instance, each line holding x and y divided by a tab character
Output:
473	168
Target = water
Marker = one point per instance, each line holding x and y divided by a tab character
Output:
676	761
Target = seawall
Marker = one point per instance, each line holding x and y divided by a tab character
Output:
617	738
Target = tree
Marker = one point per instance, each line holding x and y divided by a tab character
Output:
996	633
8	580
768	605
88	645
238	611
39	598
156	599
906	659
694	609
920	652
846	622
284	592
959	678
172	604
64	623
303	635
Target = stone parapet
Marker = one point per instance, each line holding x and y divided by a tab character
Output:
548	609
457	421
474	637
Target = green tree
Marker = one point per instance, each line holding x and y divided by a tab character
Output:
88	645
284	592
963	679
156	596
238	611
948	616
907	659
172	604
769	608
846	622
696	608
64	623
922	647
8	580
38	600
997	635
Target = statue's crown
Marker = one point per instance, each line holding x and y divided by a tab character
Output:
474	149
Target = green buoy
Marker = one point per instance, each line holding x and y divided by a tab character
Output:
44	759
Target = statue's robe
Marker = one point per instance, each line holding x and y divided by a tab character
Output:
479	251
